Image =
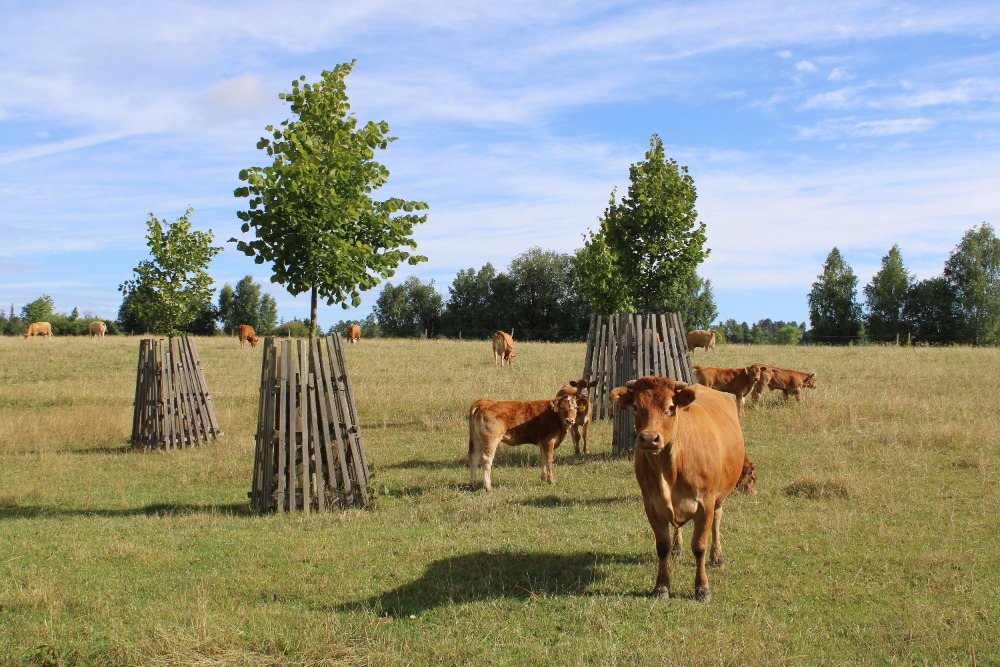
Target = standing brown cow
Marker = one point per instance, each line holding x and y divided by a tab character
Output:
542	423
689	457
353	334
246	333
38	329
788	381
736	381
503	348
584	410
701	338
97	328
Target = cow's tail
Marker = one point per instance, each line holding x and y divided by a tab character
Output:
472	427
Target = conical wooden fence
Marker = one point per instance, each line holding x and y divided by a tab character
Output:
627	346
173	407
309	452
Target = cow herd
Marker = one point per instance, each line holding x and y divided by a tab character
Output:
97	328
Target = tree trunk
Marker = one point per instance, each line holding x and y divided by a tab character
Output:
313	312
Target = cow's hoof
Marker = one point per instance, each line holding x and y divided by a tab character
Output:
661	593
717	562
702	594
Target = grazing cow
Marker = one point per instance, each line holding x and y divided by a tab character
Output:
503	348
701	338
542	423
689	457
788	381
748	479
38	329
353	334
97	328
584	409
246	333
736	381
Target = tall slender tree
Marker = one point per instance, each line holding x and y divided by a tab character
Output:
311	209
885	297
247	304
973	271
834	313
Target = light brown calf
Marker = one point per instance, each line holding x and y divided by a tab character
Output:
542	423
503	348
38	329
584	410
246	333
688	458
354	334
736	381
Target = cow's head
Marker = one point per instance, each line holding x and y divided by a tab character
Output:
564	405
760	373
583	387
253	341
748	479
810	381
656	401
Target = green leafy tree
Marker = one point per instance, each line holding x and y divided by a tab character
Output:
310	209
973	271
834	313
931	311
695	301
885	297
247	304
170	291
789	334
40	310
649	243
546	300
470	308
409	309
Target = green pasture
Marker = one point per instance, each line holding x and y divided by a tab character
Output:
873	540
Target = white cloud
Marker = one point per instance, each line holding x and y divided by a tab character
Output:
805	66
838	74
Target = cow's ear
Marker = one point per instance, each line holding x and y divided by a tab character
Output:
574	383
684	397
592	383
623	397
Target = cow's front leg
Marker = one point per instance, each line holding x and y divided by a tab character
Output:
699	545
546	451
715	559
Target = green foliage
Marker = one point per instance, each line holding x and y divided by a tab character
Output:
695	301
471	308
648	244
39	310
931	312
408	310
246	304
293	329
789	334
310	209
170	291
885	297
543	298
973	271
834	313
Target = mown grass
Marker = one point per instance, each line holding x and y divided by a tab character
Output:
872	540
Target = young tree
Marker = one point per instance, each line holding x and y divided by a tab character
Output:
649	243
409	310
170	291
885	296
40	310
834	313
246	304
973	271
310	210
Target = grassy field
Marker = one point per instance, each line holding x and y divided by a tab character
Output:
872	540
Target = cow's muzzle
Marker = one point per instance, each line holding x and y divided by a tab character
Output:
650	441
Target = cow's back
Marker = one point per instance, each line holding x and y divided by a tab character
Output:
516	422
713	444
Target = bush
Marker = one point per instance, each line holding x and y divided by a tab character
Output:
292	329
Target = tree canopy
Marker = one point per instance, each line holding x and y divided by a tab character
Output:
973	272
311	210
246	304
834	313
168	292
648	244
885	297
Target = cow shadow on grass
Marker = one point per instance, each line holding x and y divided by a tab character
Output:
483	576
18	511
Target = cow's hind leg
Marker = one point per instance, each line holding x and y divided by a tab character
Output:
489	451
715	558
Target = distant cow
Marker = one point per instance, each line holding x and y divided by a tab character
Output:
689	457
246	333
353	334
38	329
788	381
542	423
748	479
97	328
584	410
736	381
503	348
701	338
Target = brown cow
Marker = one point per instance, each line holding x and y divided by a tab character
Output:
542	423
246	333
38	329
748	479
701	338
736	381
689	457
503	348
788	381
97	328
584	410
353	334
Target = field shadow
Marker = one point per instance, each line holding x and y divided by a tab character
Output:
16	511
556	501
482	576
421	464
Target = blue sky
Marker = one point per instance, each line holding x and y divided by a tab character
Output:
805	126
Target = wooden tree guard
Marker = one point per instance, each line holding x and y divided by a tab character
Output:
309	452
173	407
627	346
